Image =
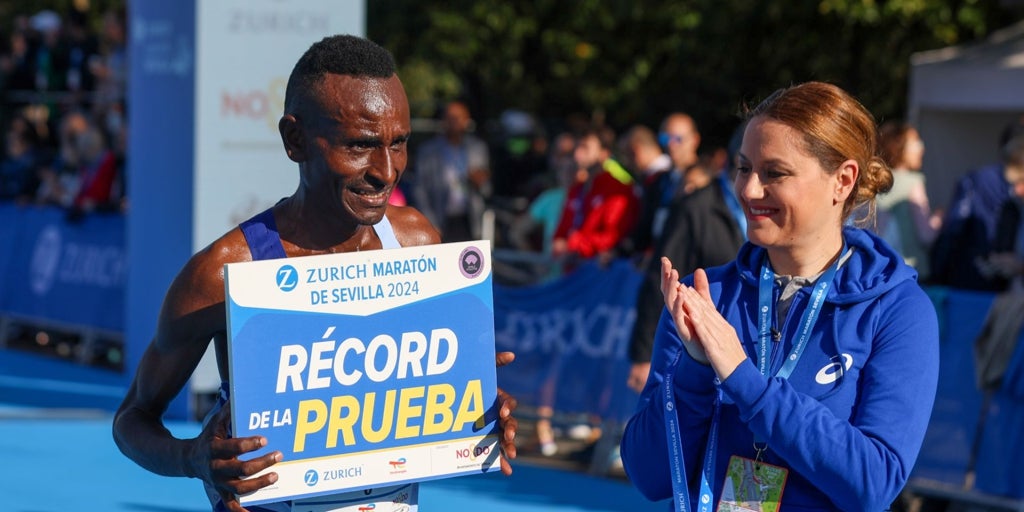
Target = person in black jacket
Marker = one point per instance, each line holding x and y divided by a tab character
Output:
680	138
701	230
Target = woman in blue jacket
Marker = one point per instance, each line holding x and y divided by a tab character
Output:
802	374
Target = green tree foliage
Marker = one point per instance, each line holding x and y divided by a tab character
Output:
92	10
633	61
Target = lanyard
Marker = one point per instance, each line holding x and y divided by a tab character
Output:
680	491
669	191
766	305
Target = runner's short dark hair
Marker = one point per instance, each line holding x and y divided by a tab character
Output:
341	54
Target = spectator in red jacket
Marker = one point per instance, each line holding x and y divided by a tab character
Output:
98	172
601	207
85	154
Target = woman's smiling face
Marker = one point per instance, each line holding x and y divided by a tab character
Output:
790	201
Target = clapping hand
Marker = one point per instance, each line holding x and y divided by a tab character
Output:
706	334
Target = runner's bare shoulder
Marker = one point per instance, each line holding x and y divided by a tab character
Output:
412	227
200	283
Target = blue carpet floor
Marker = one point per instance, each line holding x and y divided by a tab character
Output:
57	463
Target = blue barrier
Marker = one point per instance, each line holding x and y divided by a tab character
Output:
945	453
66	278
570	337
972	444
1001	443
71	273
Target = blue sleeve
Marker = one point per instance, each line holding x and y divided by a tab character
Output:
644	447
865	460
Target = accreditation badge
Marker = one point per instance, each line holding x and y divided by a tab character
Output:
752	486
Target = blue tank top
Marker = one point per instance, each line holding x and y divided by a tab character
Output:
265	243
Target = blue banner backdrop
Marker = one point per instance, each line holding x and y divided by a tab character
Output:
71	273
570	337
69	276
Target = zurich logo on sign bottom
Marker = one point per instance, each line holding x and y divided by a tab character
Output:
311	478
287	278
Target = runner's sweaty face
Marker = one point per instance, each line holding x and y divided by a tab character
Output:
356	132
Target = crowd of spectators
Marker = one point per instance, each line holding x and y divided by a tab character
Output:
565	216
62	110
574	189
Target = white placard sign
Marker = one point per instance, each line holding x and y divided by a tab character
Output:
365	369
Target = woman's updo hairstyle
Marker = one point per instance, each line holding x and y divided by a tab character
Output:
835	128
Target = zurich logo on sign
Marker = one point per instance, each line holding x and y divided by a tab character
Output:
287	278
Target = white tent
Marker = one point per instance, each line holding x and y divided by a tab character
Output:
961	98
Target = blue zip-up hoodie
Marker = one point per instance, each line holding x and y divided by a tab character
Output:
848	423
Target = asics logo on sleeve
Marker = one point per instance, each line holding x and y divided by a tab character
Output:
833	370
